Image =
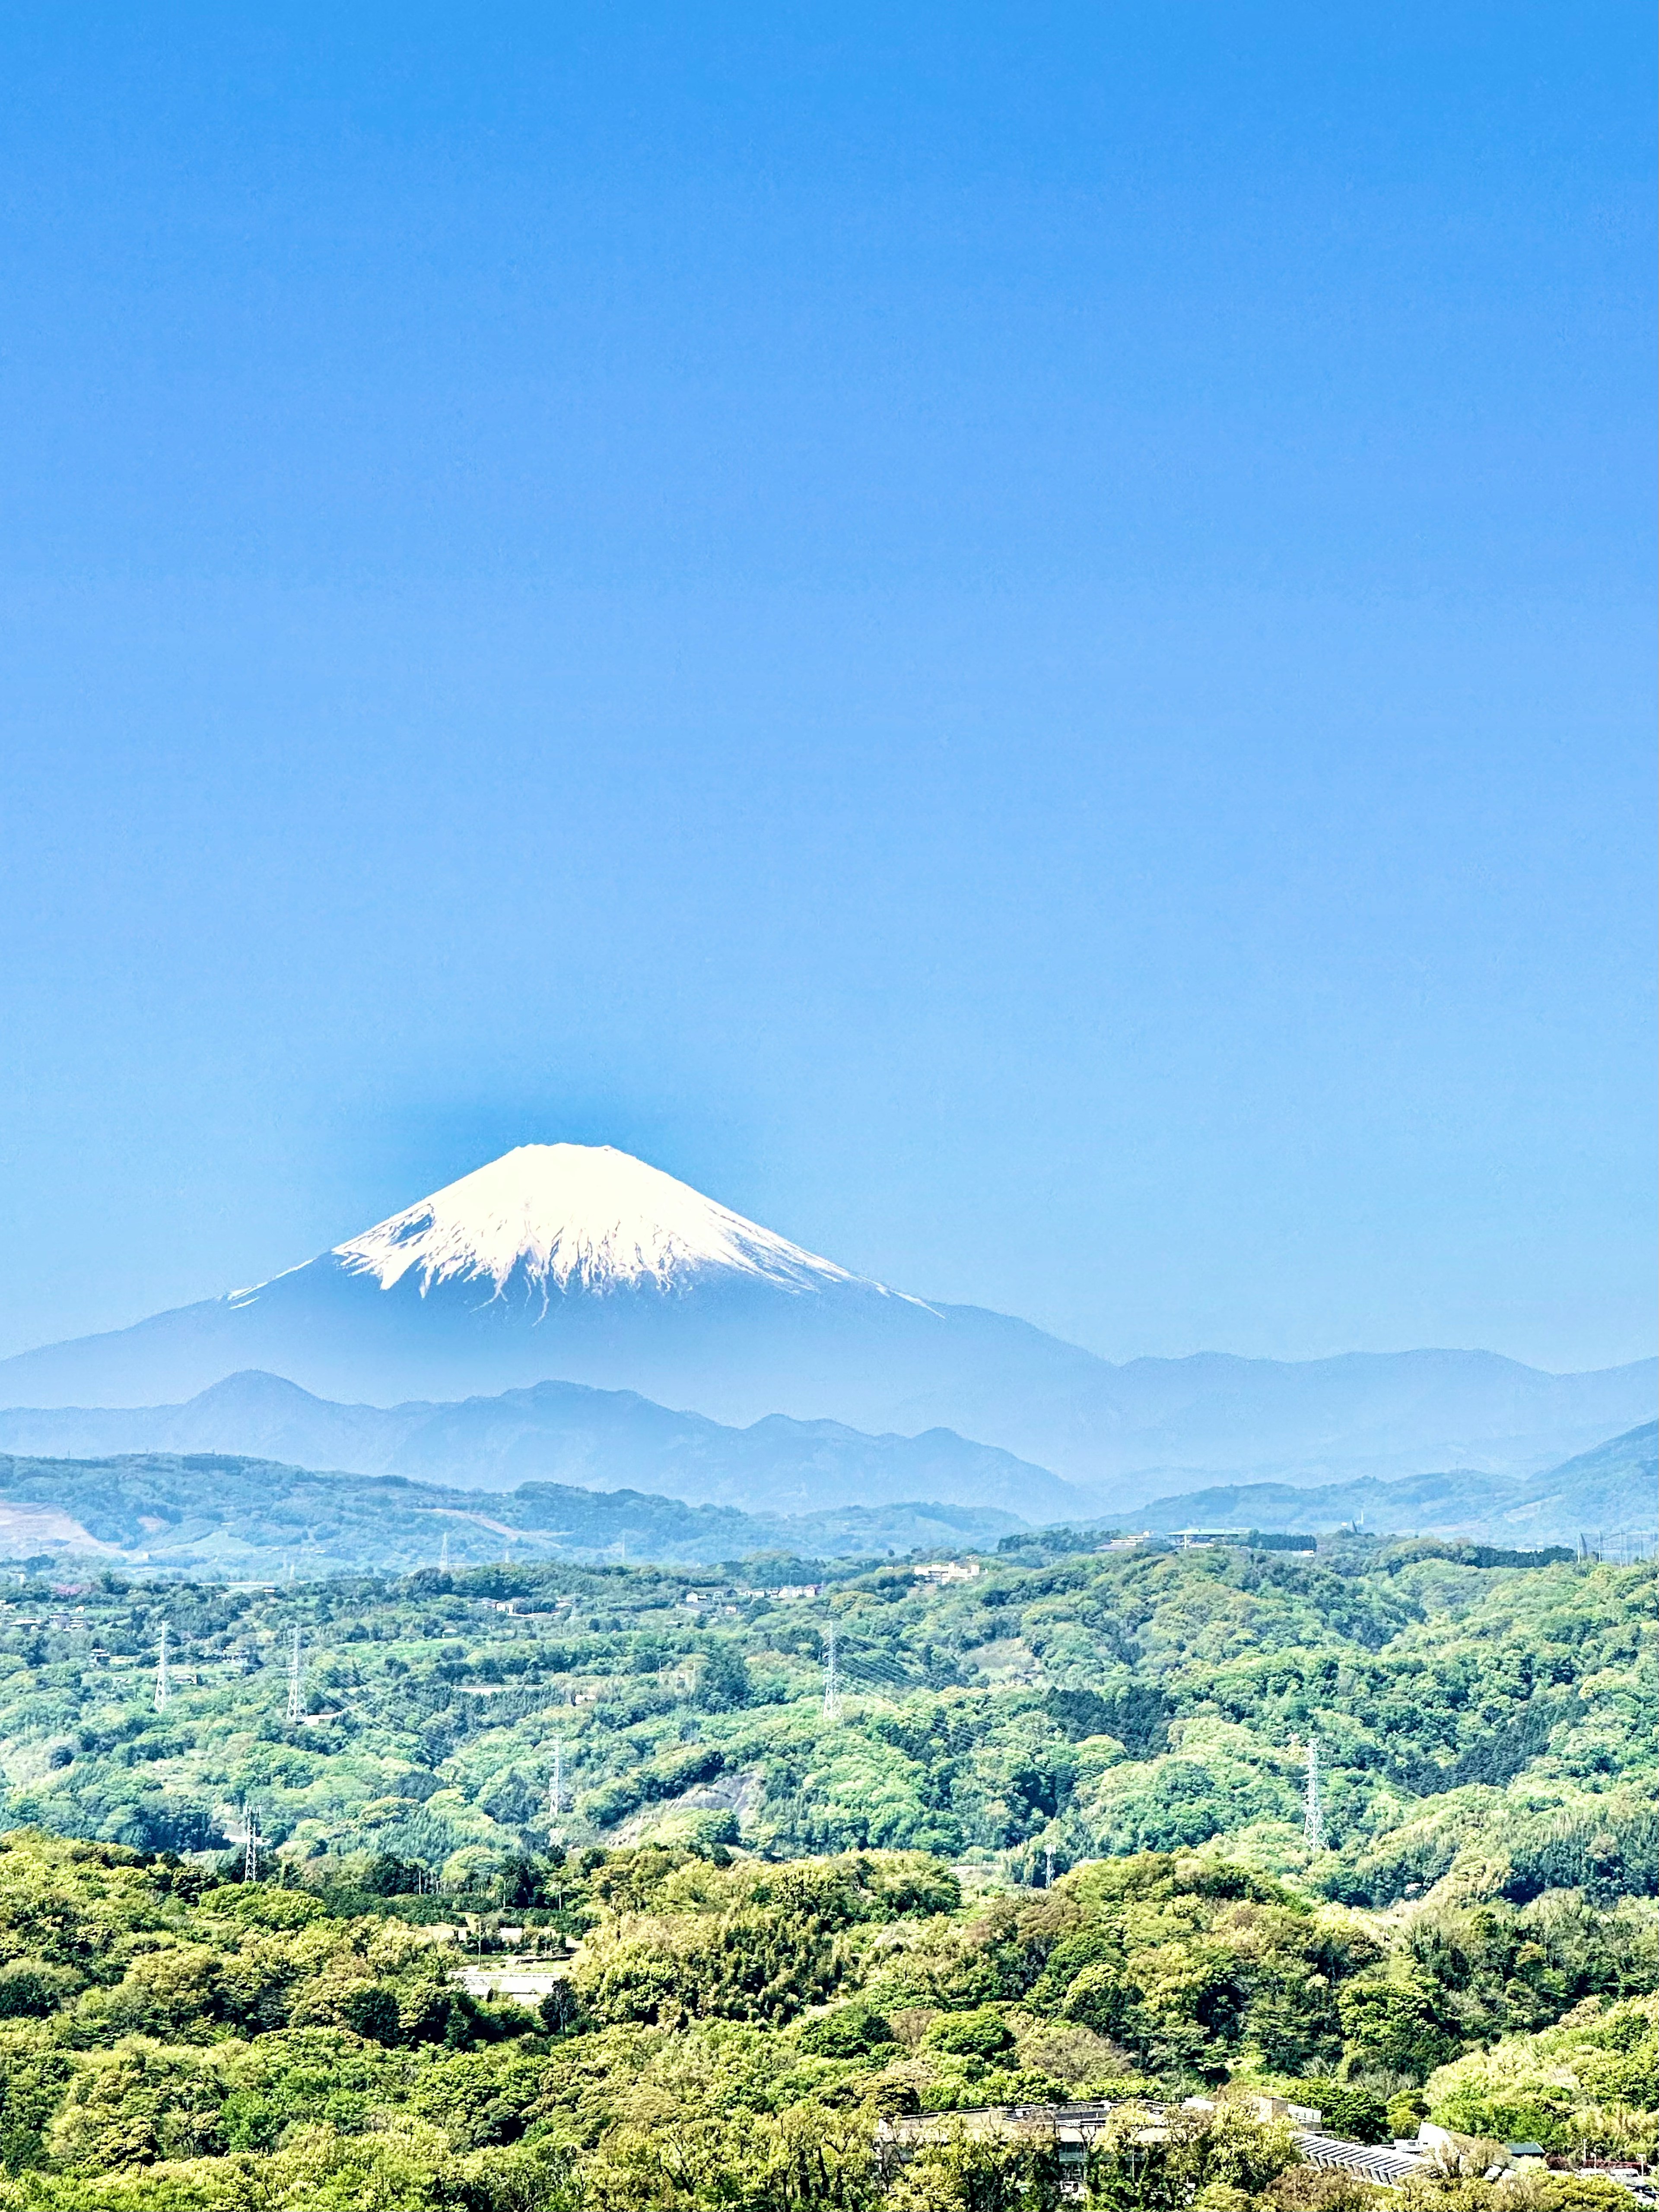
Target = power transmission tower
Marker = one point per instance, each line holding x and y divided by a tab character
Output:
295	1693
163	1679
1313	1820
831	1679
555	1786
249	1843
443	1554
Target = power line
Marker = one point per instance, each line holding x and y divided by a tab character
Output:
163	1677
831	1679
1313	1819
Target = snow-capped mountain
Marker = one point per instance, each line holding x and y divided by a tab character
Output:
554	1217
578	1264
569	1262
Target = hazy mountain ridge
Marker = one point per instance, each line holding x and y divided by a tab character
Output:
580	1265
237	1518
1614	1488
224	1515
562	1432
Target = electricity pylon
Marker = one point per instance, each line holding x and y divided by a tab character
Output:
555	1786
249	1843
831	1679
1313	1819
163	1679
295	1691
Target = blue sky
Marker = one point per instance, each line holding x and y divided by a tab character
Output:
1016	639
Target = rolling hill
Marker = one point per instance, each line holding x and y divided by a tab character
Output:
214	1516
1612	1490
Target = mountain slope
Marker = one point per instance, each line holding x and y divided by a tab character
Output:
1616	1486
563	1432
1612	1490
215	1515
580	1265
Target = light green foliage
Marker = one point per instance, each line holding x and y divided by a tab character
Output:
732	2032
1529	2192
1500	1722
977	2173
1159	2161
785	1953
1591	2082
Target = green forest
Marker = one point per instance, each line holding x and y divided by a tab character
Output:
829	1844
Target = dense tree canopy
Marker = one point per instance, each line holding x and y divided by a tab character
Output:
1061	1702
1050	1844
732	2033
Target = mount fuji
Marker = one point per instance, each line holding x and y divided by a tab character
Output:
580	1264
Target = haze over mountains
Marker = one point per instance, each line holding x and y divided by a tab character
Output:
217	1515
1611	1491
579	1265
214	1516
563	1432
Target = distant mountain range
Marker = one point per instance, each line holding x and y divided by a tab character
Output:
216	1518
217	1515
563	1432
579	1265
1612	1490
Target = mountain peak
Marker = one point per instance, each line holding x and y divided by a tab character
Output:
583	1216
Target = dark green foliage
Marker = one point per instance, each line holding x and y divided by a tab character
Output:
723	1684
388	1875
1615	1855
25	1993
372	2012
1058	1707
978	2034
1398	2029
1137	1715
1491	1555
847	2032
1356	2114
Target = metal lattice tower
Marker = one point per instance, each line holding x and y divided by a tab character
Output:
250	1844
443	1554
163	1677
831	1678
1313	1819
555	1786
296	1704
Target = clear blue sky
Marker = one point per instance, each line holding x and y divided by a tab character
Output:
1016	639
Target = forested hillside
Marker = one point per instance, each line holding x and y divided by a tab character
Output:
1043	1840
730	2032
162	1513
1077	1703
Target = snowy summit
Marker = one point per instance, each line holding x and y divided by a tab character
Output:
581	1216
